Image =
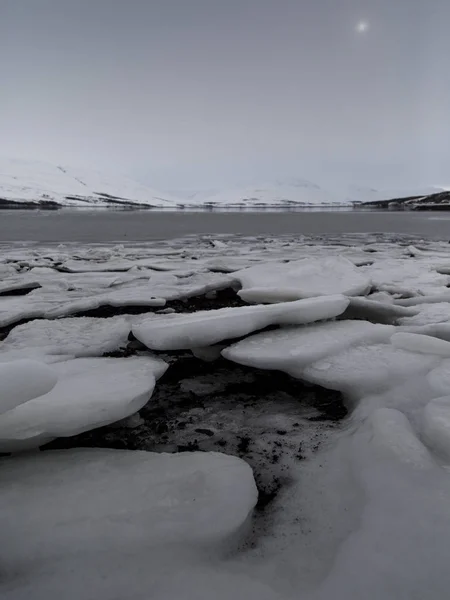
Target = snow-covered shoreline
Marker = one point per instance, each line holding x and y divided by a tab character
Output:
360	507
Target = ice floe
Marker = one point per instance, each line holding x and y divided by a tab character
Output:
23	380
120	524
422	344
210	327
292	349
366	369
74	337
89	393
377	312
278	282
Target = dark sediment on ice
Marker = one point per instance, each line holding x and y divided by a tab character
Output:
266	418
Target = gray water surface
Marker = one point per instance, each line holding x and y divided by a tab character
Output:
121	226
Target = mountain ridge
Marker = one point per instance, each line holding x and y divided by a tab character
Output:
35	184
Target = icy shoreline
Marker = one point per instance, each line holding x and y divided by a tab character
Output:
323	363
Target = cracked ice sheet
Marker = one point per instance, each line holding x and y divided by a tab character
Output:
89	393
54	302
123	524
376	486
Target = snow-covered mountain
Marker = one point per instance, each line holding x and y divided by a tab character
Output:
38	183
300	193
296	192
367	194
34	184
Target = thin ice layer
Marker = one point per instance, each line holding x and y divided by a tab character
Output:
210	327
89	393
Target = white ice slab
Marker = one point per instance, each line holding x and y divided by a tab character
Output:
80	266
406	276
439	378
377	312
421	344
120	524
89	393
22	380
436	425
210	327
428	314
76	337
362	370
277	282
292	349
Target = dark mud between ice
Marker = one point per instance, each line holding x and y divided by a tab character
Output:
226	298
267	418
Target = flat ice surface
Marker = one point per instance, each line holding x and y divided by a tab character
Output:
365	369
89	393
210	327
422	344
272	282
70	337
116	524
436	425
294	348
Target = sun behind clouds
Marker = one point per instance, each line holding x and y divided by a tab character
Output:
362	26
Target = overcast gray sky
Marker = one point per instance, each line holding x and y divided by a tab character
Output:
199	93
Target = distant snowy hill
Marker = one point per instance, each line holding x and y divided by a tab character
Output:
300	193
366	194
296	192
39	183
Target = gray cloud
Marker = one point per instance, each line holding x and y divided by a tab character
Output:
205	92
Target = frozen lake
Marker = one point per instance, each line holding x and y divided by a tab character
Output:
108	226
